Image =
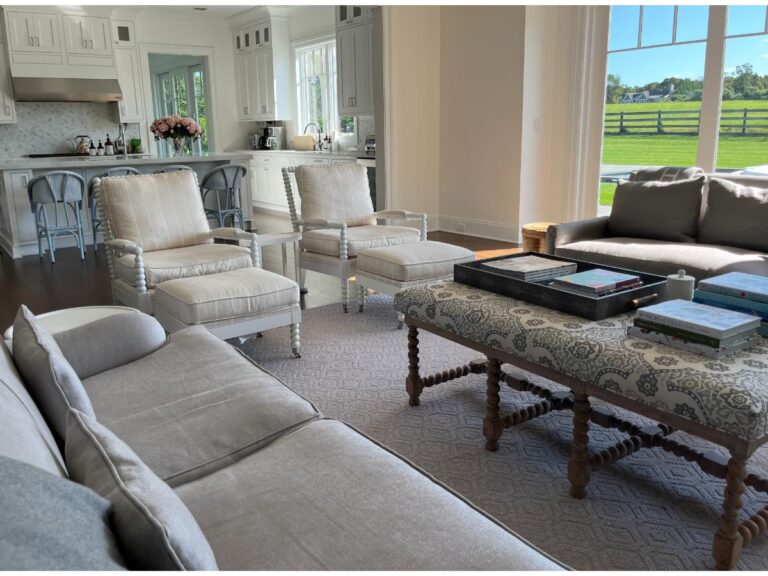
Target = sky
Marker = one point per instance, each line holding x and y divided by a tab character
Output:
639	67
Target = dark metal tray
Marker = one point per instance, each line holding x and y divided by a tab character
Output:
590	307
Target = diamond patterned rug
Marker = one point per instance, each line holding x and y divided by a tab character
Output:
648	511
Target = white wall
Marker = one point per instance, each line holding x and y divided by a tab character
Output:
481	98
308	22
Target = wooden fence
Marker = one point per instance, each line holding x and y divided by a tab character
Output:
737	122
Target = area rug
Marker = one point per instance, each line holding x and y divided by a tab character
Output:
649	511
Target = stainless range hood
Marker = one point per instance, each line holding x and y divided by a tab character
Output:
66	90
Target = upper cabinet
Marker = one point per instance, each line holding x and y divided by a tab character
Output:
354	60
123	33
33	32
351	15
7	105
131	107
88	35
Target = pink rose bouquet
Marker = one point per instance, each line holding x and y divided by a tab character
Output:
175	127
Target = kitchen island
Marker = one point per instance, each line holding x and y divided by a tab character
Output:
17	225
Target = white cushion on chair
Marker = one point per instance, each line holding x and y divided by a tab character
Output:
412	262
199	260
326	241
216	297
156	211
338	192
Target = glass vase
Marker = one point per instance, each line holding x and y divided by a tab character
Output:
178	147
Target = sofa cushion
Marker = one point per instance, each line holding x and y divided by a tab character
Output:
325	497
413	261
735	215
236	294
110	342
156	211
658	257
195	405
51	381
657	210
51	523
339	192
24	435
666	174
154	528
326	241
184	262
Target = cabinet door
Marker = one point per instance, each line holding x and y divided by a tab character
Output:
20	32
263	86
99	36
123	33
242	86
25	221
132	106
7	104
352	65
30	32
76	34
46	32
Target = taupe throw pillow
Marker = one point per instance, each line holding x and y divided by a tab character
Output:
50	379
736	215
154	528
657	210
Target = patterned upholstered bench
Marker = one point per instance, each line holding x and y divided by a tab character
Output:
723	401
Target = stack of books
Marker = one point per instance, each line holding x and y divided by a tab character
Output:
596	282
532	268
737	291
699	328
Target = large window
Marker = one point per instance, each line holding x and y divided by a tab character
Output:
657	73
316	85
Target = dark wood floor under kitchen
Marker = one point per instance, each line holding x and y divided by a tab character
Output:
44	286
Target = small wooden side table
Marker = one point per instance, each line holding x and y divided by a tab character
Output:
535	236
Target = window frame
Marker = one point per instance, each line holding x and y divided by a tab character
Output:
328	43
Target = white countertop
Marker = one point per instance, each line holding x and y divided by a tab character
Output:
343	154
80	162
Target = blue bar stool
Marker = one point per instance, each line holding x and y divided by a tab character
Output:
63	191
225	182
95	221
172	168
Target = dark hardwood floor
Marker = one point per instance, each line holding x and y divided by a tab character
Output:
44	286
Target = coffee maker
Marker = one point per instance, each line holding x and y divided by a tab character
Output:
273	138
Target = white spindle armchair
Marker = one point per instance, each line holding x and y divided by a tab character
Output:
338	220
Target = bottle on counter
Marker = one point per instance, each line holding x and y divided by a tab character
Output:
92	149
100	149
109	149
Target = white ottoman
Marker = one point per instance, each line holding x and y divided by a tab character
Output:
231	304
393	268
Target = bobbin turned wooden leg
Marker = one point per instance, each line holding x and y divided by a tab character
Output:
728	541
579	470
492	423
413	383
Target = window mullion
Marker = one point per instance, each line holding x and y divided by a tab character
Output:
712	90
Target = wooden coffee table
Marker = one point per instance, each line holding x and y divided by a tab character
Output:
723	401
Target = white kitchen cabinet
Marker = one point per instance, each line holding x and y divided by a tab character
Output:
131	107
243	40
354	68
7	104
33	31
124	33
263	87
351	15
22	219
87	35
245	107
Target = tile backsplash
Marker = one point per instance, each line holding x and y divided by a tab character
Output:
49	127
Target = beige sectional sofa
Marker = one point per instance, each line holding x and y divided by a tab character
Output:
270	482
728	229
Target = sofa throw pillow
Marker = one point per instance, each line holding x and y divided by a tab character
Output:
154	528
735	215
657	210
51	523
50	379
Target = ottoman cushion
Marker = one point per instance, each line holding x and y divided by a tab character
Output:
413	262
229	295
359	238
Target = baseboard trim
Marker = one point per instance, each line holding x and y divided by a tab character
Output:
480	228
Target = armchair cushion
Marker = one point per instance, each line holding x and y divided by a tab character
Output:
156	211
736	215
184	262
338	192
359	238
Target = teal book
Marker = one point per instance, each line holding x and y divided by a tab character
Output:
739	285
763	330
732	303
597	281
699	318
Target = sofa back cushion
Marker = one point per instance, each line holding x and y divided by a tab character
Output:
338	192
51	523
50	379
666	174
735	215
156	211
657	210
24	435
153	527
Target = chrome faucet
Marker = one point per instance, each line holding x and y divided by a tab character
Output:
319	134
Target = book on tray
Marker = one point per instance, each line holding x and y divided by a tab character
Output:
596	282
700	328
739	292
532	268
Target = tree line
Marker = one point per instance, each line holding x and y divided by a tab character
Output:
744	84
